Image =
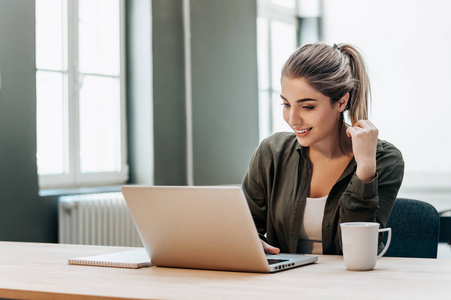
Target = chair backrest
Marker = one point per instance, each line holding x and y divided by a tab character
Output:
415	229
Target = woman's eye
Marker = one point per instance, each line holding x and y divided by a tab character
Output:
285	105
309	107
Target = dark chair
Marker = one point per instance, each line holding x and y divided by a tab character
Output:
445	227
415	229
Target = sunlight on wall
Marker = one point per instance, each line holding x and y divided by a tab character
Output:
406	46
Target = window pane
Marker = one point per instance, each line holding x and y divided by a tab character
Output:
283	43
264	108
99	36
50	34
263	53
308	30
285	3
309	8
51	131
100	129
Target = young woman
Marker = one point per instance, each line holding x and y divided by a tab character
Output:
300	186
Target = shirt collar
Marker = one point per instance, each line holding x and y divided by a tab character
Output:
301	150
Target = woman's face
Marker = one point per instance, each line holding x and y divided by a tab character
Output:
310	114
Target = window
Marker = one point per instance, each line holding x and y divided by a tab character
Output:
282	26
80	67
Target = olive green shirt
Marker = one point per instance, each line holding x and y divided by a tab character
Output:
277	183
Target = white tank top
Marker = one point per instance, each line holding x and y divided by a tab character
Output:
310	240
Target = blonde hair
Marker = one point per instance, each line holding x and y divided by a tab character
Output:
333	71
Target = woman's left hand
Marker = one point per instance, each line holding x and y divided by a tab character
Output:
364	142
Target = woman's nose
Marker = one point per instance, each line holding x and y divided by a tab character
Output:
294	118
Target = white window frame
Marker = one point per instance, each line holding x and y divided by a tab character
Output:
270	11
75	178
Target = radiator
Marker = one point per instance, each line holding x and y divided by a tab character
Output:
96	219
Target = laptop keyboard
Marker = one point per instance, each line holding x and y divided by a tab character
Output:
272	261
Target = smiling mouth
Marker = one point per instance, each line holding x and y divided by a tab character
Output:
304	131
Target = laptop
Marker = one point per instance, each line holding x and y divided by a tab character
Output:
202	228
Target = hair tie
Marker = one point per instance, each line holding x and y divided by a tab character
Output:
336	47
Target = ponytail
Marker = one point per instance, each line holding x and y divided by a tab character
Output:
360	95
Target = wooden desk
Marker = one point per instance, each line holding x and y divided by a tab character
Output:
40	271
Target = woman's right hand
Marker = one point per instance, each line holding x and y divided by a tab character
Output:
270	249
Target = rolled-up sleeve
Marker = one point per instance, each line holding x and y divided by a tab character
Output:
360	194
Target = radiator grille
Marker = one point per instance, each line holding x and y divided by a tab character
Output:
96	219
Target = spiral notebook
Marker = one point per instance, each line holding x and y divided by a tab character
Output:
131	259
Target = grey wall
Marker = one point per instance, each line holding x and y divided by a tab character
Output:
156	92
23	215
224	91
169	92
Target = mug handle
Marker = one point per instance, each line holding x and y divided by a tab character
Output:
388	241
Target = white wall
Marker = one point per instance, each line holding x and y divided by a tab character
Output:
407	45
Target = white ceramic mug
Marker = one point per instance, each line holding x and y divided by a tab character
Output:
360	242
